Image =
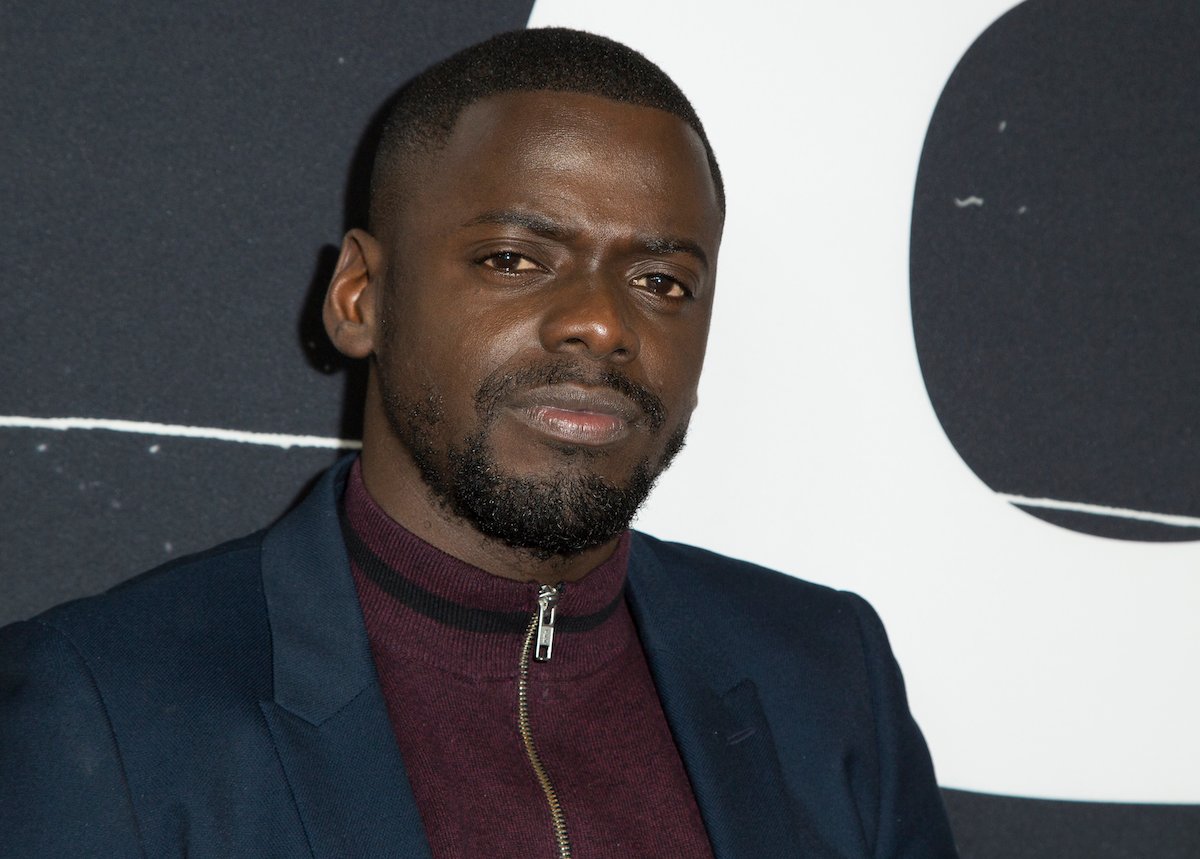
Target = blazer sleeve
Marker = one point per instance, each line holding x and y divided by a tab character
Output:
912	822
65	791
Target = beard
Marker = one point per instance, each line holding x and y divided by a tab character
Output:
559	514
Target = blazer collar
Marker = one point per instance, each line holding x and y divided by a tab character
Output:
321	656
328	719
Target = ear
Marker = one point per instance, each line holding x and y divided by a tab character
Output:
350	312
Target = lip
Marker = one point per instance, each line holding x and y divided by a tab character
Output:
576	415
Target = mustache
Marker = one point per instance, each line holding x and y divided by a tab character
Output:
502	384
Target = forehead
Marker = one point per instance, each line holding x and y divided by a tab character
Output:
581	156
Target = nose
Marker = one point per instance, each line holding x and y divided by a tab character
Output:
593	318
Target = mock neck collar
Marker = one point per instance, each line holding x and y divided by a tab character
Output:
420	602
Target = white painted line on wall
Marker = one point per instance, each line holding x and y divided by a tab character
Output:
285	441
1101	510
271	439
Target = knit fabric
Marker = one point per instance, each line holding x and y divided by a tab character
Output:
446	638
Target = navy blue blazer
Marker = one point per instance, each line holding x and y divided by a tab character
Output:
226	705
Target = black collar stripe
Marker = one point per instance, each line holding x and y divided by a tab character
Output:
451	613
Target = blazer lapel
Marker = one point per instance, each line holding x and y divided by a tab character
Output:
717	721
328	719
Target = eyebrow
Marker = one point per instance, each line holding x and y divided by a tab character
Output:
537	224
662	246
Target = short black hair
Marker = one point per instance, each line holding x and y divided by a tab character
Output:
422	114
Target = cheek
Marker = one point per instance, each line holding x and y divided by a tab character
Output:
484	342
673	359
454	353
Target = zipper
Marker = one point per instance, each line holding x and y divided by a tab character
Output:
547	607
539	642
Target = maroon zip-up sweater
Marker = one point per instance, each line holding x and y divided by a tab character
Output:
447	640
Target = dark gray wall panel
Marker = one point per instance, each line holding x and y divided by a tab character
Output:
174	176
120	503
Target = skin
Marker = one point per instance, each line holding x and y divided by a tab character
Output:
552	228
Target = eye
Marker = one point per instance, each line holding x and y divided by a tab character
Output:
662	284
509	262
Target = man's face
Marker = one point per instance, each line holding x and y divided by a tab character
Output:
549	284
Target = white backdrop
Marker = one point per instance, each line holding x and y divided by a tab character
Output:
1040	662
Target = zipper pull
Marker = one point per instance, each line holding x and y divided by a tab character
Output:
547	602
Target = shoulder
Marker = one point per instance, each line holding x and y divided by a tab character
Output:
741	588
195	611
118	712
162	665
827	682
774	627
191	585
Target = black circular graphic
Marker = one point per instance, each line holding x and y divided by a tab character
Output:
1055	263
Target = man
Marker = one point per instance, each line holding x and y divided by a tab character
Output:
454	646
